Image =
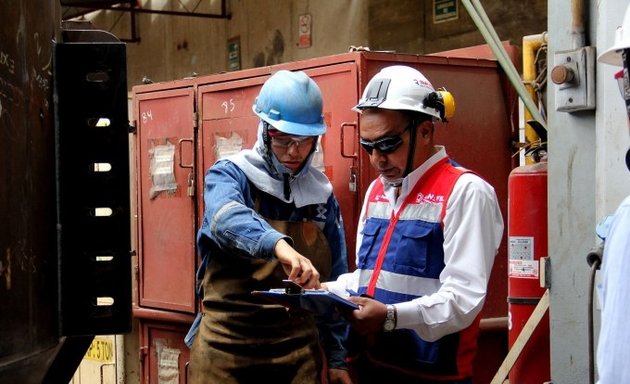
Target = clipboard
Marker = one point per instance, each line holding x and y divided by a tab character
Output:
317	301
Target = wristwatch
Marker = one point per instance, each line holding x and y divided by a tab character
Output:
390	319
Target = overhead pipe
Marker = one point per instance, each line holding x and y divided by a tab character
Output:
133	6
480	18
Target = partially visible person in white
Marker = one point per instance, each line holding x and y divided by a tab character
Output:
613	350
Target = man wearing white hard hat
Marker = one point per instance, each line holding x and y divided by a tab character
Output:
426	242
613	353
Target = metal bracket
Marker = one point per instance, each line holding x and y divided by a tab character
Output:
545	272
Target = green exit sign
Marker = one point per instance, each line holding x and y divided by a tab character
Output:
444	10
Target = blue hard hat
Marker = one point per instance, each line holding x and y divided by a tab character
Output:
291	102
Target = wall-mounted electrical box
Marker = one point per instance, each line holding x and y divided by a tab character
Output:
574	76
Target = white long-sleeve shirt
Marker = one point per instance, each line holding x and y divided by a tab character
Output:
473	227
613	353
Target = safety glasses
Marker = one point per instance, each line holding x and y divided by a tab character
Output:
286	141
384	145
622	82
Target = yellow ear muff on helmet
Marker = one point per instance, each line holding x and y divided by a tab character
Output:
441	101
448	101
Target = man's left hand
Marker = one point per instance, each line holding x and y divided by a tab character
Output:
370	316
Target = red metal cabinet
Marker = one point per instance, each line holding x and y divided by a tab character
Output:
166	213
164	355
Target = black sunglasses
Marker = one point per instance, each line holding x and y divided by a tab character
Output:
384	145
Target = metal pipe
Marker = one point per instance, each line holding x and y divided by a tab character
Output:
485	27
577	24
492	324
95	7
495	44
487	23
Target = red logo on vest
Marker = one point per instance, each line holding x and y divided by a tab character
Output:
429	198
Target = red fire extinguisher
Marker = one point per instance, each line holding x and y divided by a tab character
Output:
527	234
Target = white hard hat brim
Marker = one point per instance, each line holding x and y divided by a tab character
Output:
612	56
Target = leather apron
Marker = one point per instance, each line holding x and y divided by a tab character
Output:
244	339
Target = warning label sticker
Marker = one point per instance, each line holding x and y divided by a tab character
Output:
526	269
521	248
521	258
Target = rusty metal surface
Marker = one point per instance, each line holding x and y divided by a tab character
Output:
28	333
162	347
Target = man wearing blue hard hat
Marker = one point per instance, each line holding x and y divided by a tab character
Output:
269	215
613	354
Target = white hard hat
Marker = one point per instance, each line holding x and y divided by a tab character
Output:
401	87
612	55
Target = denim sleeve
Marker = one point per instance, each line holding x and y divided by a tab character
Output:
333	338
333	328
229	219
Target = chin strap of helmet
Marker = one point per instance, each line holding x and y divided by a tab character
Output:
273	160
414	122
265	135
286	182
413	133
286	177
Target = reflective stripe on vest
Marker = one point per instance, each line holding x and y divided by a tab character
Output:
400	259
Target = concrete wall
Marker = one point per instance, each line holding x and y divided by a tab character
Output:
587	180
174	47
612	182
410	26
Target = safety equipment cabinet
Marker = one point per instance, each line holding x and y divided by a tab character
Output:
184	126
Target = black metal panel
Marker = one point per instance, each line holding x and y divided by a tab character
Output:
93	188
67	359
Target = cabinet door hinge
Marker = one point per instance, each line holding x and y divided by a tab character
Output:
133	127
